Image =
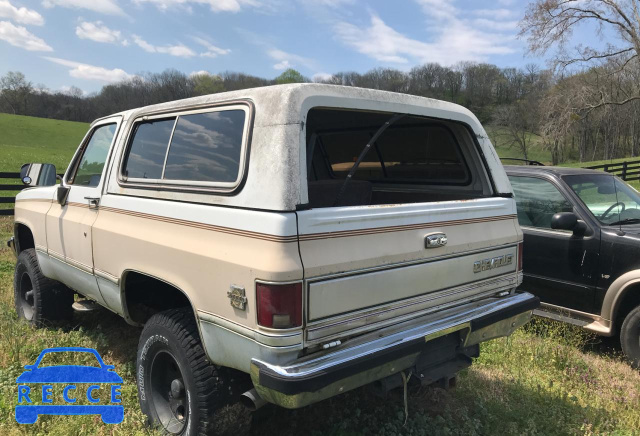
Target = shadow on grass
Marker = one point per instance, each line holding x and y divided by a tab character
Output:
483	403
477	406
110	331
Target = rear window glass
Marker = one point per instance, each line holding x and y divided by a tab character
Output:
148	149
413	150
206	147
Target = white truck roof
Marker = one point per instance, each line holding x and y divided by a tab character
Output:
278	135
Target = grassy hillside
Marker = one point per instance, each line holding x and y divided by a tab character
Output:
28	139
504	148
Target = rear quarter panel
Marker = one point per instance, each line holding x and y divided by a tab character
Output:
200	249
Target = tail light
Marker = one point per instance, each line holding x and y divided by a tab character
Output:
520	250
279	305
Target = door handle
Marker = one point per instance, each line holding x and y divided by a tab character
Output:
93	201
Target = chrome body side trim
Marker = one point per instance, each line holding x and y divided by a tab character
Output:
106	276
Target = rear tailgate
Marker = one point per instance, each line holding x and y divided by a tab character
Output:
367	266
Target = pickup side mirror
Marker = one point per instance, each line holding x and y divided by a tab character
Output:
36	174
568	221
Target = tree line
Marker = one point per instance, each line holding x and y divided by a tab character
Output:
585	106
522	105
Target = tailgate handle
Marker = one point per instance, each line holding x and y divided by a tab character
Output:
435	240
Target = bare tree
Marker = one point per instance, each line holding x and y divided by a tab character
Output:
14	90
516	124
550	24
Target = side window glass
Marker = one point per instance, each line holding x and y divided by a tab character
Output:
148	149
537	201
206	147
89	169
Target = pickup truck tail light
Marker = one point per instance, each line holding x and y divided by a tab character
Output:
279	305
520	250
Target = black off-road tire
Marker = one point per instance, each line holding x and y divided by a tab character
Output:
630	337
170	349
38	299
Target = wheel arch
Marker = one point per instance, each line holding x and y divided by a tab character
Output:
625	288
24	237
127	294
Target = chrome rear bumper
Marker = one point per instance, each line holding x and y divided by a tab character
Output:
385	352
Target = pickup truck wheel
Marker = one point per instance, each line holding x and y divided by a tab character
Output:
178	389
39	299
630	337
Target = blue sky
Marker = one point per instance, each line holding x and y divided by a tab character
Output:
89	43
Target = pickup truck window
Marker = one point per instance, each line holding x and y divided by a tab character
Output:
148	149
195	147
91	163
537	201
206	147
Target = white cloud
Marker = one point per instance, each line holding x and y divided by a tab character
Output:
21	37
282	65
99	32
330	3
200	73
496	14
321	77
212	50
20	15
109	7
452	37
91	72
214	5
289	60
178	50
496	24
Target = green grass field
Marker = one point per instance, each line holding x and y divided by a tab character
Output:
29	139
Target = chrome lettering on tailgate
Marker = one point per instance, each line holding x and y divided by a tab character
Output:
492	263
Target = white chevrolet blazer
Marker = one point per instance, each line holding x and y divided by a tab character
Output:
286	243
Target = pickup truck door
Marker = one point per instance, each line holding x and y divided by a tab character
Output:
560	268
69	223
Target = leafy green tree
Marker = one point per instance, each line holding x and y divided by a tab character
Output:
204	84
290	76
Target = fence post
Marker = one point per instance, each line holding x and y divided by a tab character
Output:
624	170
